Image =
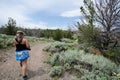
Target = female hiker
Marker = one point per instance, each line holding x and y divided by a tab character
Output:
22	54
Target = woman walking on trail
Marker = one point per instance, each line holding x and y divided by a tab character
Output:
22	54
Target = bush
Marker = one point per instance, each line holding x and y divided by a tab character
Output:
59	47
74	78
54	60
5	41
89	66
66	40
58	35
56	71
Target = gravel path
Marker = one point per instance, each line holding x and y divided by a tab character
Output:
37	69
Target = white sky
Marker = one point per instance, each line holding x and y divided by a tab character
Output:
41	13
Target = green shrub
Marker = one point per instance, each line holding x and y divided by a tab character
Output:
56	71
97	75
66	40
58	35
67	66
5	41
59	47
88	66
74	78
54	60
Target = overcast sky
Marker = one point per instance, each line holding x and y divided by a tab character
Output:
42	14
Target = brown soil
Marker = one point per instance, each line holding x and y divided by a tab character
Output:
37	68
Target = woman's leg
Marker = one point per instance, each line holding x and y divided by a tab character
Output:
24	67
20	63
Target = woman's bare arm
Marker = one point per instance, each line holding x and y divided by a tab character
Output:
27	44
14	43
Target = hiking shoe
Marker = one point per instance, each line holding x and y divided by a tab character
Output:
24	78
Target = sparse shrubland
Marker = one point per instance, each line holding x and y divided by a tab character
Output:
59	47
66	40
87	66
6	40
69	56
80	63
56	71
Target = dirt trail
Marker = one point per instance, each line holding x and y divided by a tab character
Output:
37	69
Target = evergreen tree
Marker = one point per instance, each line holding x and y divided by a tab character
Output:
10	28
